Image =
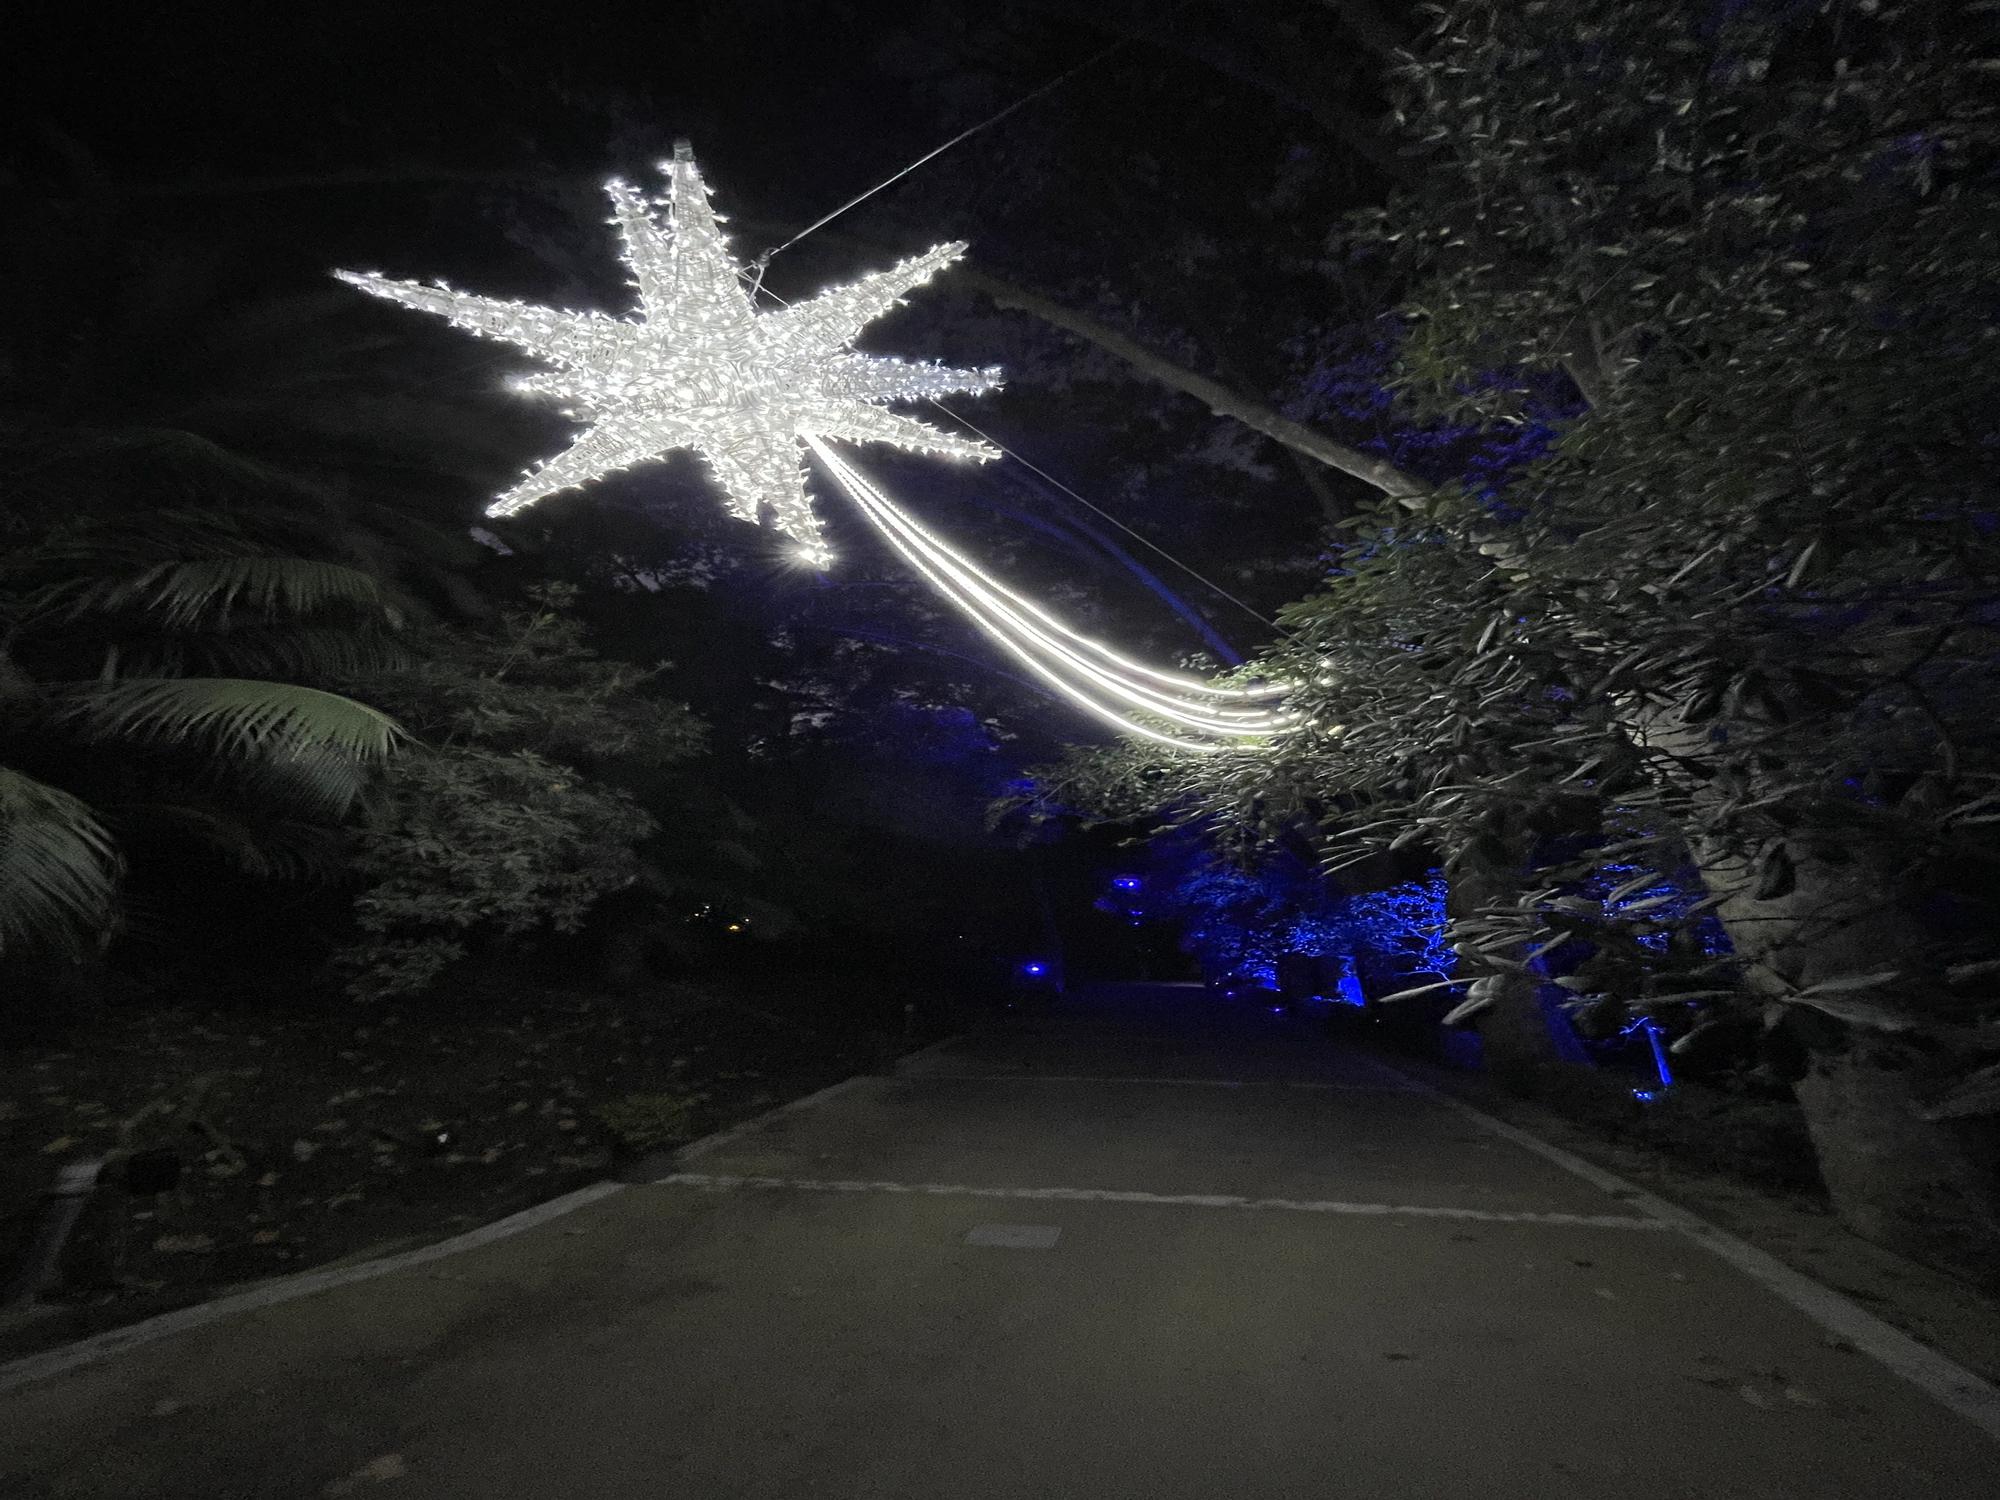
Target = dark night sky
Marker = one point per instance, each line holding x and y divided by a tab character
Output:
794	105
467	142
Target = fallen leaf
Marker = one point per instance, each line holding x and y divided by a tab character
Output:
264	1237
304	1150
375	1471
167	1408
60	1143
183	1244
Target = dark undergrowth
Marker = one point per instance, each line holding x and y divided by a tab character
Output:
264	1138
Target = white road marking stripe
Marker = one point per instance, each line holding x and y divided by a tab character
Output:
721	1182
1202	1083
1937	1376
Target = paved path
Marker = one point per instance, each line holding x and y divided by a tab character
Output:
1148	1247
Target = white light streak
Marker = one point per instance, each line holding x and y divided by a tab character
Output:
1049	648
700	367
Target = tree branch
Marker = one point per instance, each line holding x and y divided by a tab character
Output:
1255	415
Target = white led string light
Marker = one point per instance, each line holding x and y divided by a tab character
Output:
1048	653
982	595
702	367
1053	678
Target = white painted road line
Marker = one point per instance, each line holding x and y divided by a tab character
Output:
721	1183
1197	1083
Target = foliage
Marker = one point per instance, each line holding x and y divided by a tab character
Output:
1742	609
107	737
481	835
481	842
58	866
651	1122
191	562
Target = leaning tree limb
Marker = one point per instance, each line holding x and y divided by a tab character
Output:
1217	397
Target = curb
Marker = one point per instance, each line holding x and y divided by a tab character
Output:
102	1346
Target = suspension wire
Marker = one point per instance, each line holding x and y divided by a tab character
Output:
971	130
1145	541
757	287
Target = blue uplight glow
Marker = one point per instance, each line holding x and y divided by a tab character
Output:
1651	1029
1034	970
1126	882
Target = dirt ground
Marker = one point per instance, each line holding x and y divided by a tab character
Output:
316	1133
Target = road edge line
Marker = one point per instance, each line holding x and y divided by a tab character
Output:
100	1346
1938	1376
31	1368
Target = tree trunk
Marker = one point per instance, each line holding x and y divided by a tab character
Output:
1520	1045
1924	1188
1927	1189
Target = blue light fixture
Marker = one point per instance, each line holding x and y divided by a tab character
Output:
1126	882
1034	970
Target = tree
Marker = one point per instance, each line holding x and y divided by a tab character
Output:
119	729
1742	611
485	836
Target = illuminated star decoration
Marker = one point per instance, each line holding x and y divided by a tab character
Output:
700	366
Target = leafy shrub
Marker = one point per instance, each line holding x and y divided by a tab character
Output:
651	1122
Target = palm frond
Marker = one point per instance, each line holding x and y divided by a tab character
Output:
273	849
311	778
275	722
58	867
190	592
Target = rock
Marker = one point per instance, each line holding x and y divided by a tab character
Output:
183	1244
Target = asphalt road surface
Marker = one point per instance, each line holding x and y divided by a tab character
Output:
1148	1246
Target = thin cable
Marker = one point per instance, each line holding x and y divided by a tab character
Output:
1206	582
856	490
1118	672
1053	84
980	596
758	288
